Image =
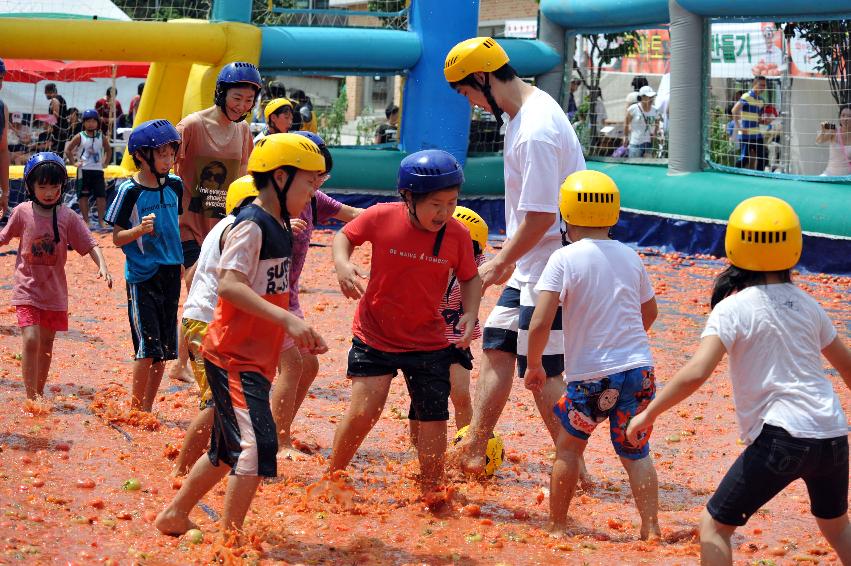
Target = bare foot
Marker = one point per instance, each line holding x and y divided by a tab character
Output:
651	532
174	524
566	529
290	452
469	458
179	373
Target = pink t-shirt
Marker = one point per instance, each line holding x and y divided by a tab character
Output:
207	167
40	265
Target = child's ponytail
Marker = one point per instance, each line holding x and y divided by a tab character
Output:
735	279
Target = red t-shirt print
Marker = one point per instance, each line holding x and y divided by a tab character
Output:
399	310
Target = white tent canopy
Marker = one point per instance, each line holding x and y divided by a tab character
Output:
103	9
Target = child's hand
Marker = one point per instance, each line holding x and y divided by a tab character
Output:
147	224
467	323
349	276
298	225
304	335
534	378
638	426
103	273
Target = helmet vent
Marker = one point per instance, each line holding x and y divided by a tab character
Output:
426	171
762	237
451	61
308	147
488	43
605	198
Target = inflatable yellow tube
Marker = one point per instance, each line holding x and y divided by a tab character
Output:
186	55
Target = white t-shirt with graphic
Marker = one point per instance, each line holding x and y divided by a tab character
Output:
641	123
541	150
774	335
602	285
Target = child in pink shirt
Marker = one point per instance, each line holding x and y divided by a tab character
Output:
45	229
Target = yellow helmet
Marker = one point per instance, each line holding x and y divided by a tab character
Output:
479	54
475	224
274	105
280	150
591	199
238	191
764	234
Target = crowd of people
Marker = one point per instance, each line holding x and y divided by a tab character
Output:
233	223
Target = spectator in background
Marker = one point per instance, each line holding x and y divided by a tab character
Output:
746	116
638	82
303	117
59	110
642	124
134	105
18	139
839	138
279	117
104	107
771	128
75	124
571	100
389	130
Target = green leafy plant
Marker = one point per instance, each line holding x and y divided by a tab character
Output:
603	49
330	121
721	150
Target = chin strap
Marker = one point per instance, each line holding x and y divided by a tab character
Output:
486	90
148	156
55	216
438	239
282	197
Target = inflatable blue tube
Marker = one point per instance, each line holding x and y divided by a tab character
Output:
434	115
771	10
530	57
576	15
341	50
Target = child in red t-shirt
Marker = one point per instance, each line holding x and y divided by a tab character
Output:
397	326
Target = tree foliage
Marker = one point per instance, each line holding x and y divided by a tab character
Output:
831	41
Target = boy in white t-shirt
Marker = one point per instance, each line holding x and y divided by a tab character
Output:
198	311
789	416
608	304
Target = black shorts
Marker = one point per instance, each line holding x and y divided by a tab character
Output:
244	433
191	252
91	184
773	461
152	308
426	375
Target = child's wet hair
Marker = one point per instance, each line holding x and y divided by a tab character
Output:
735	279
47	173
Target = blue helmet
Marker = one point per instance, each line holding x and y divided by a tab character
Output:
151	134
428	171
2	68
40	159
90	114
320	143
234	74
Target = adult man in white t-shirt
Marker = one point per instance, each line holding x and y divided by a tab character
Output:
541	150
